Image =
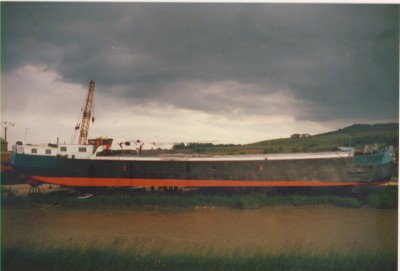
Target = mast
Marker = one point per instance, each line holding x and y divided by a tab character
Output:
87	112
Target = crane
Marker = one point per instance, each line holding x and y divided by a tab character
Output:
87	112
86	116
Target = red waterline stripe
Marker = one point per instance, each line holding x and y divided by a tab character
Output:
71	181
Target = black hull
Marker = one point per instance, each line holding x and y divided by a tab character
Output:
262	172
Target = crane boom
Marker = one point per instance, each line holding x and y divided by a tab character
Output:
83	136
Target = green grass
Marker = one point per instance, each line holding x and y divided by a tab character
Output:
381	197
387	198
24	256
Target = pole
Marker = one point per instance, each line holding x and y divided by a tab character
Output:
5	125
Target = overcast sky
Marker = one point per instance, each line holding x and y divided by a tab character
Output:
197	72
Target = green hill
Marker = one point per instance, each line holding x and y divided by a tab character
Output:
366	128
357	136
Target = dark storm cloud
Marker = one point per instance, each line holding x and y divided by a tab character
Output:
342	60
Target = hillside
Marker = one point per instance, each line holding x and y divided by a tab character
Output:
366	128
357	136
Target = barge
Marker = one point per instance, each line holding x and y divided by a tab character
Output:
96	165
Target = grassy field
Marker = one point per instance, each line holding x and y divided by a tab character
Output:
375	196
111	257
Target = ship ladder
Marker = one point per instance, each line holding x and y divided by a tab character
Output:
34	189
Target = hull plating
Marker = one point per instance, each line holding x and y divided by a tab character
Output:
198	173
114	182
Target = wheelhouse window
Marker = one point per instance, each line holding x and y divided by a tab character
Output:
63	148
48	151
82	149
34	151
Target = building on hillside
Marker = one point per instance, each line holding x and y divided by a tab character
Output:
300	135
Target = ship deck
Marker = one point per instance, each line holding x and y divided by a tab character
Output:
243	157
